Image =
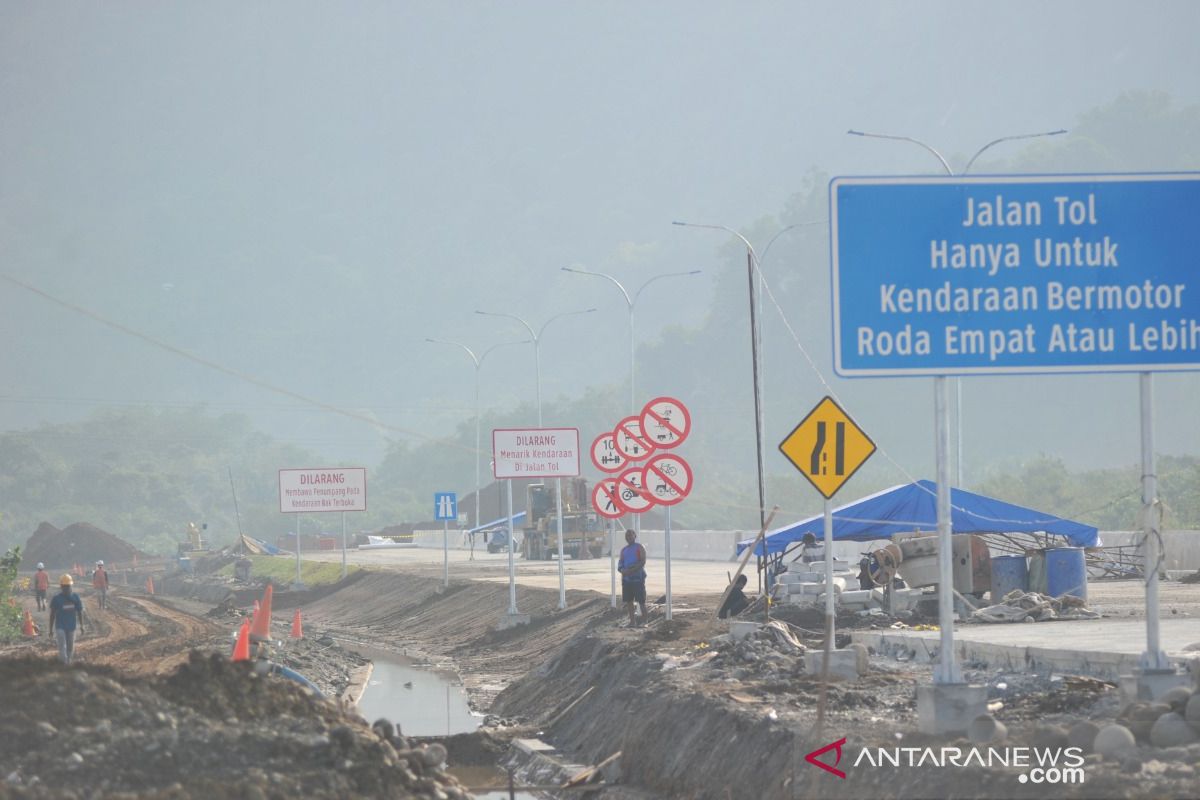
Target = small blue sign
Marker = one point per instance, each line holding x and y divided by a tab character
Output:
1020	274
445	506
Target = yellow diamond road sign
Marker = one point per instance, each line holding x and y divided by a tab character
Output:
827	447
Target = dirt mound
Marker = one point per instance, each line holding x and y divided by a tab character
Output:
78	543
212	729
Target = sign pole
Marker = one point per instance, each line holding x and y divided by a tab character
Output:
562	576
612	565
512	564
667	538
298	583
948	671
343	545
445	554
1154	658
830	599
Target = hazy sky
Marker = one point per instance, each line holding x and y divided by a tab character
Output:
305	191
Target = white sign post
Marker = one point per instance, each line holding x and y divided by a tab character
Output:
320	490
533	453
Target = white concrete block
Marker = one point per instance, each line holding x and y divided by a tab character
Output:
741	629
949	708
845	665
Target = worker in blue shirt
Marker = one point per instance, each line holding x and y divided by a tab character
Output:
66	612
632	567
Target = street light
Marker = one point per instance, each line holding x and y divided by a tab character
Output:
754	264
755	344
958	465
631	301
536	338
477	360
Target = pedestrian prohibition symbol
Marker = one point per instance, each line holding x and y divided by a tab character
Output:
827	447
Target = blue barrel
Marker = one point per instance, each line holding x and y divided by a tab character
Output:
1008	573
1066	572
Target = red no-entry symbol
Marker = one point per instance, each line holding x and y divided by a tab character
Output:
667	478
666	423
606	499
630	441
632	495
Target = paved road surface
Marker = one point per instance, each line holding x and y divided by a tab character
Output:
687	577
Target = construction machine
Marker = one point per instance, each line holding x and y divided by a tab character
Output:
192	547
583	536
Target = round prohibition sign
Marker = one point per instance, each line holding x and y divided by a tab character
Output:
632	496
605	454
630	441
667	478
666	423
606	499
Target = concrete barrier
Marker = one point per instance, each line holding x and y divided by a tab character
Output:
688	545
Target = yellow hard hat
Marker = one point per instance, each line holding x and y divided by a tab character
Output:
66	580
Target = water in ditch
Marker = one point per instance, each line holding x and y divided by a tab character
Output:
425	702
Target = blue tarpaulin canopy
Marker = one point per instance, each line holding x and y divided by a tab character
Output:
517	517
913	506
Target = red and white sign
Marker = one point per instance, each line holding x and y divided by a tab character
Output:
320	489
667	479
665	423
606	499
630	442
633	496
605	455
535	452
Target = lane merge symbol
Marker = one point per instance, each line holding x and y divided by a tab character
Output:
827	447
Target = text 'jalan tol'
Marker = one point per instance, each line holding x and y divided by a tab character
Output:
998	212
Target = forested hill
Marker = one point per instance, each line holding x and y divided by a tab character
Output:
143	474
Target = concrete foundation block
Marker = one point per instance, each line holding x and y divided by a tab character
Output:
844	665
1150	685
949	708
742	629
512	621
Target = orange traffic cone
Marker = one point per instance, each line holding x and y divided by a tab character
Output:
27	628
256	606
150	585
260	630
297	627
241	650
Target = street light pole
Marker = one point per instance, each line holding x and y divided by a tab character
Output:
536	338
958	426
477	361
631	302
752	266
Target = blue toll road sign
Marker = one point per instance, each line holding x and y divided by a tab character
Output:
1015	274
445	506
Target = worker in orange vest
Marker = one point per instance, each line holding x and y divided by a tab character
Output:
100	584
41	585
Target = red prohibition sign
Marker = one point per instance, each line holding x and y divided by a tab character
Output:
630	441
606	499
666	423
667	479
605	454
632	496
